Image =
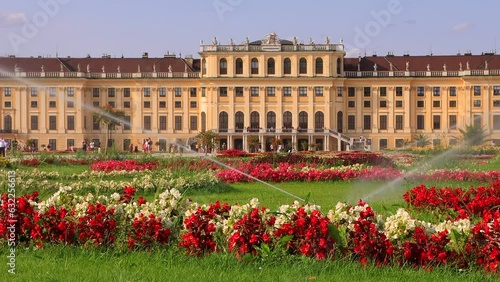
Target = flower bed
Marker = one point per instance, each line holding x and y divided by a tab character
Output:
251	231
127	165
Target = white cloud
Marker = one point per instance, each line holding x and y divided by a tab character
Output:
461	26
10	19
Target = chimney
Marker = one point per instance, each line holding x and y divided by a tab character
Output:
189	60
145	55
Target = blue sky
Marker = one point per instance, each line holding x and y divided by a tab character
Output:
80	27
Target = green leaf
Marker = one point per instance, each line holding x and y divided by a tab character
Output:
339	235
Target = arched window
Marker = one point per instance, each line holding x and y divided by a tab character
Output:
302	66
270	66
203	122
239	66
255	66
223	66
223	122
271	121
287	66
319	121
339	66
239	121
287	121
319	66
303	122
340	121
255	121
203	67
7	122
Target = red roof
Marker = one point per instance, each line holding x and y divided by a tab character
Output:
420	63
126	65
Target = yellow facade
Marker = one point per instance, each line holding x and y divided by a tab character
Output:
308	95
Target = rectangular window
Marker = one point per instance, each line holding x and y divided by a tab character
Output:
420	122
126	92
436	122
111	92
147	104
436	104
496	90
367	122
162	92
271	91
34	92
420	91
496	103
436	91
254	91
52	122
351	92
238	91
193	122
477	103
95	123
111	104
52	104
34	104
339	91
223	91
95	92
400	143
399	91
478	121
147	123
71	104
70	91
351	122
7	92
399	122
70	143
383	104
453	104
477	90
383	122
95	104
52	144
366	92
162	105
178	104
177	92
399	104
452	121
351	104
178	122
7	104
383	91
453	91
34	122
163	122
126	123
383	144
193	104
318	91
203	91
147	92
366	104
126	104
287	91
192	92
52	92
70	122
496	124
420	104
302	91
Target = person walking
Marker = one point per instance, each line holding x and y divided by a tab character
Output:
3	146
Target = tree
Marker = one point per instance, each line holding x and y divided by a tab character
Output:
473	135
207	140
253	142
421	140
110	117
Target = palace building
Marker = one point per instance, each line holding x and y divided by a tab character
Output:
309	95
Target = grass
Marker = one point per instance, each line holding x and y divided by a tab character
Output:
76	264
67	263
